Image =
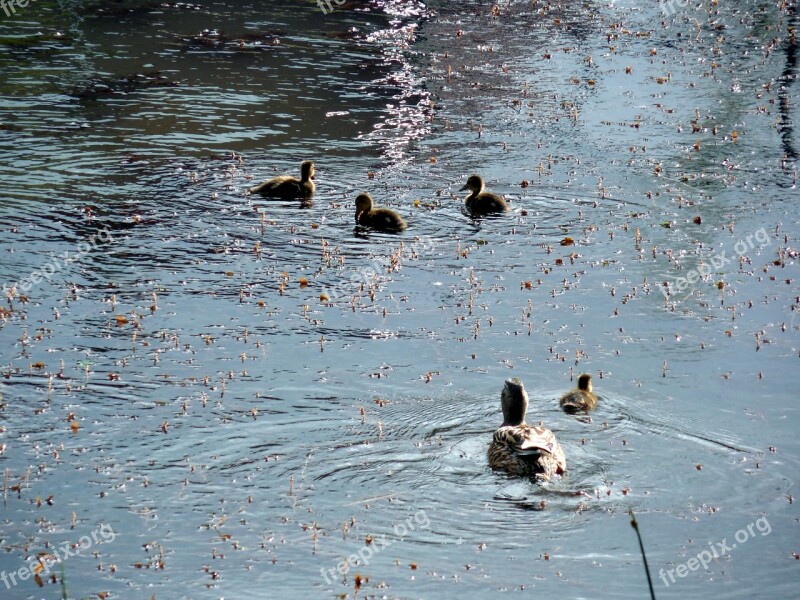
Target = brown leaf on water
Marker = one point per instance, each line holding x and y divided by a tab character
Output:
74	426
567	241
525	183
697	220
323	297
38	580
413	566
121	319
303	282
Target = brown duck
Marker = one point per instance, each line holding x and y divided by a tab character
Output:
286	187
480	201
581	399
380	219
522	449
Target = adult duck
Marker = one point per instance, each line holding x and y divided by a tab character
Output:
522	449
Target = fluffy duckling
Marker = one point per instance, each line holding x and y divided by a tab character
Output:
481	201
380	219
581	399
522	449
286	187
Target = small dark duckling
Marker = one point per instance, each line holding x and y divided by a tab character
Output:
380	219
522	449
581	399
286	187
481	201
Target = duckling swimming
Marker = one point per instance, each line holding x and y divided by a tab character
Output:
481	201
522	449
380	219
581	399
286	187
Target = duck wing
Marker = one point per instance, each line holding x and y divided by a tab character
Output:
528	441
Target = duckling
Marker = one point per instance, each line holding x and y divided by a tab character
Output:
522	449
380	219
286	187
581	399
481	201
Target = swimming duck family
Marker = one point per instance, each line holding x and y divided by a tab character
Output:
286	187
380	219
480	201
522	449
580	399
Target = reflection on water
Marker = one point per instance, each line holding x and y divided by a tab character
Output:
249	391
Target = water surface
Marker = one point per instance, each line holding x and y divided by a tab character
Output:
259	391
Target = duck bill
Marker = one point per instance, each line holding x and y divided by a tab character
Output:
463	188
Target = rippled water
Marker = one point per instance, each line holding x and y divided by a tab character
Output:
248	392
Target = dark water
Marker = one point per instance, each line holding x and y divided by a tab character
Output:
240	433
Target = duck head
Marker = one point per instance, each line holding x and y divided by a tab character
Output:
514	400
307	170
363	204
585	382
474	184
